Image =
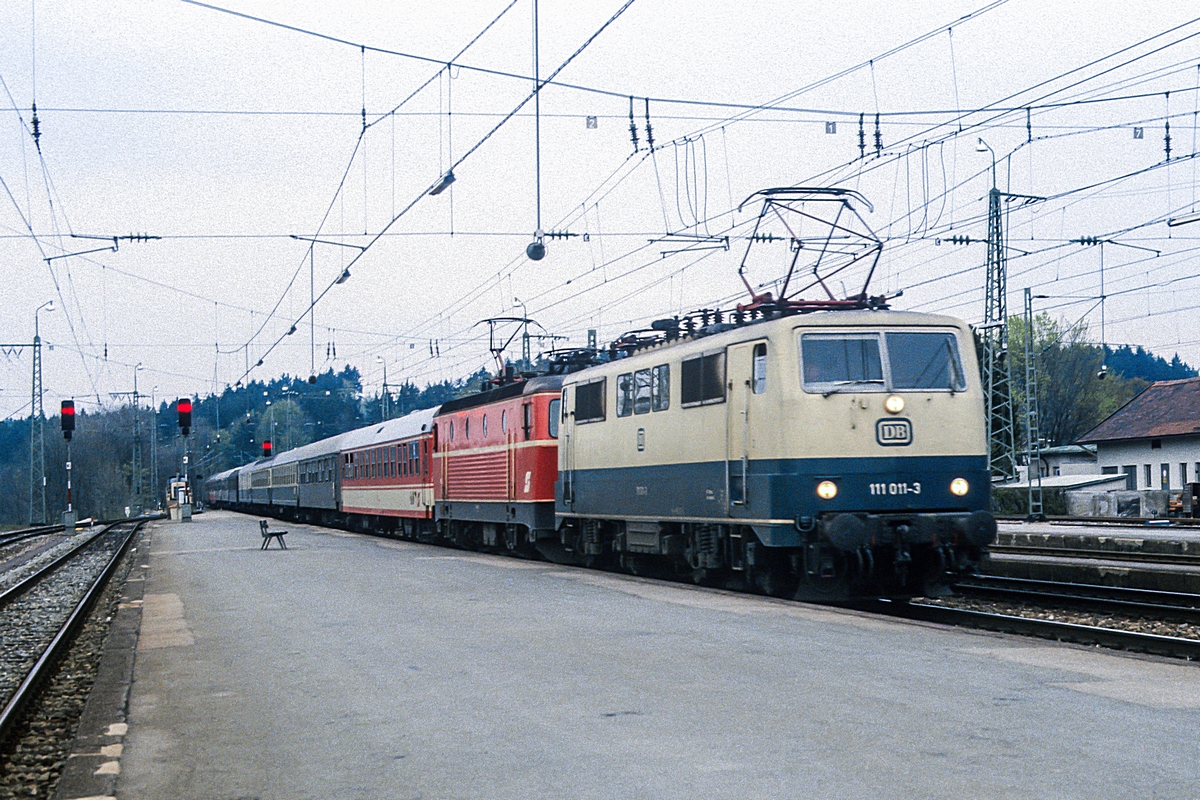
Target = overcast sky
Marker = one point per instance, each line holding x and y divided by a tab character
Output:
227	136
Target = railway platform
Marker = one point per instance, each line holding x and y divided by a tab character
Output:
1138	556
354	667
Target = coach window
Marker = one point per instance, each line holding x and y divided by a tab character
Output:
625	394
589	401
552	420
660	387
702	380
641	391
760	368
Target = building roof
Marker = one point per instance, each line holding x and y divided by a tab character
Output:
1106	482
1070	450
1166	408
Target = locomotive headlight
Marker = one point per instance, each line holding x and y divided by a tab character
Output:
894	404
826	490
959	486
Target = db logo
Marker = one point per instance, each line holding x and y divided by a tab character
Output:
893	432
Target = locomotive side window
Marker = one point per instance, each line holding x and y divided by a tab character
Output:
759	384
589	401
660	387
504	422
702	380
625	394
554	414
833	360
925	360
485	425
641	391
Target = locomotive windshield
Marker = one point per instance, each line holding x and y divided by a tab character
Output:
925	361
877	362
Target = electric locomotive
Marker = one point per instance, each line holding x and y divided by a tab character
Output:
818	456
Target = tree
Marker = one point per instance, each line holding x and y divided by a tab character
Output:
1072	398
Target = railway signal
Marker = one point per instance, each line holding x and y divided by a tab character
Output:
67	415
267	448
185	415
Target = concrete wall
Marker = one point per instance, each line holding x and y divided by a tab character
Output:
1091	503
1172	451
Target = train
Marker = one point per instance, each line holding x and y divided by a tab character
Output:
824	456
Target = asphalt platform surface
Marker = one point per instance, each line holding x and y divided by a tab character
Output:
353	667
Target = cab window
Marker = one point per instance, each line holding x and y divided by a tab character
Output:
552	420
759	383
589	401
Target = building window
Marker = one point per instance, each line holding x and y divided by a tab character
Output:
1164	475
1156	444
625	394
660	387
702	380
589	401
1149	479
1182	475
760	368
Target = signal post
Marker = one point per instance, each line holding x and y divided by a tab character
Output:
67	416
179	504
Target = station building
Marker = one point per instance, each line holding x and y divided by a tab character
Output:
1154	439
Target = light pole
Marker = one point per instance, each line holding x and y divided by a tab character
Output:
386	397
154	448
135	475
37	433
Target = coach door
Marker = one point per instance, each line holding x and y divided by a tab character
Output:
746	381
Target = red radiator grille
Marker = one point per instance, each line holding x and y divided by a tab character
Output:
478	476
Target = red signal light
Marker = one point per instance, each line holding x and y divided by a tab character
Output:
267	448
185	415
67	415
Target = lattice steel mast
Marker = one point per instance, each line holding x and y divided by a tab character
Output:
996	379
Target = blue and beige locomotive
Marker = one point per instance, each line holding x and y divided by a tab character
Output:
820	456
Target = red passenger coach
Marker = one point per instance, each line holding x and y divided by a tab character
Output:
386	473
495	464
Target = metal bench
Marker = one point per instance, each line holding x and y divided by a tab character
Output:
268	535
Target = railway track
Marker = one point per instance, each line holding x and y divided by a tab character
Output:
1138	557
13	537
41	614
1063	631
1109	599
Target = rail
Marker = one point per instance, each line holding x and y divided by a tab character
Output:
1172	646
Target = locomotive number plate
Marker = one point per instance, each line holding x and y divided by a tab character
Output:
895	488
893	432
